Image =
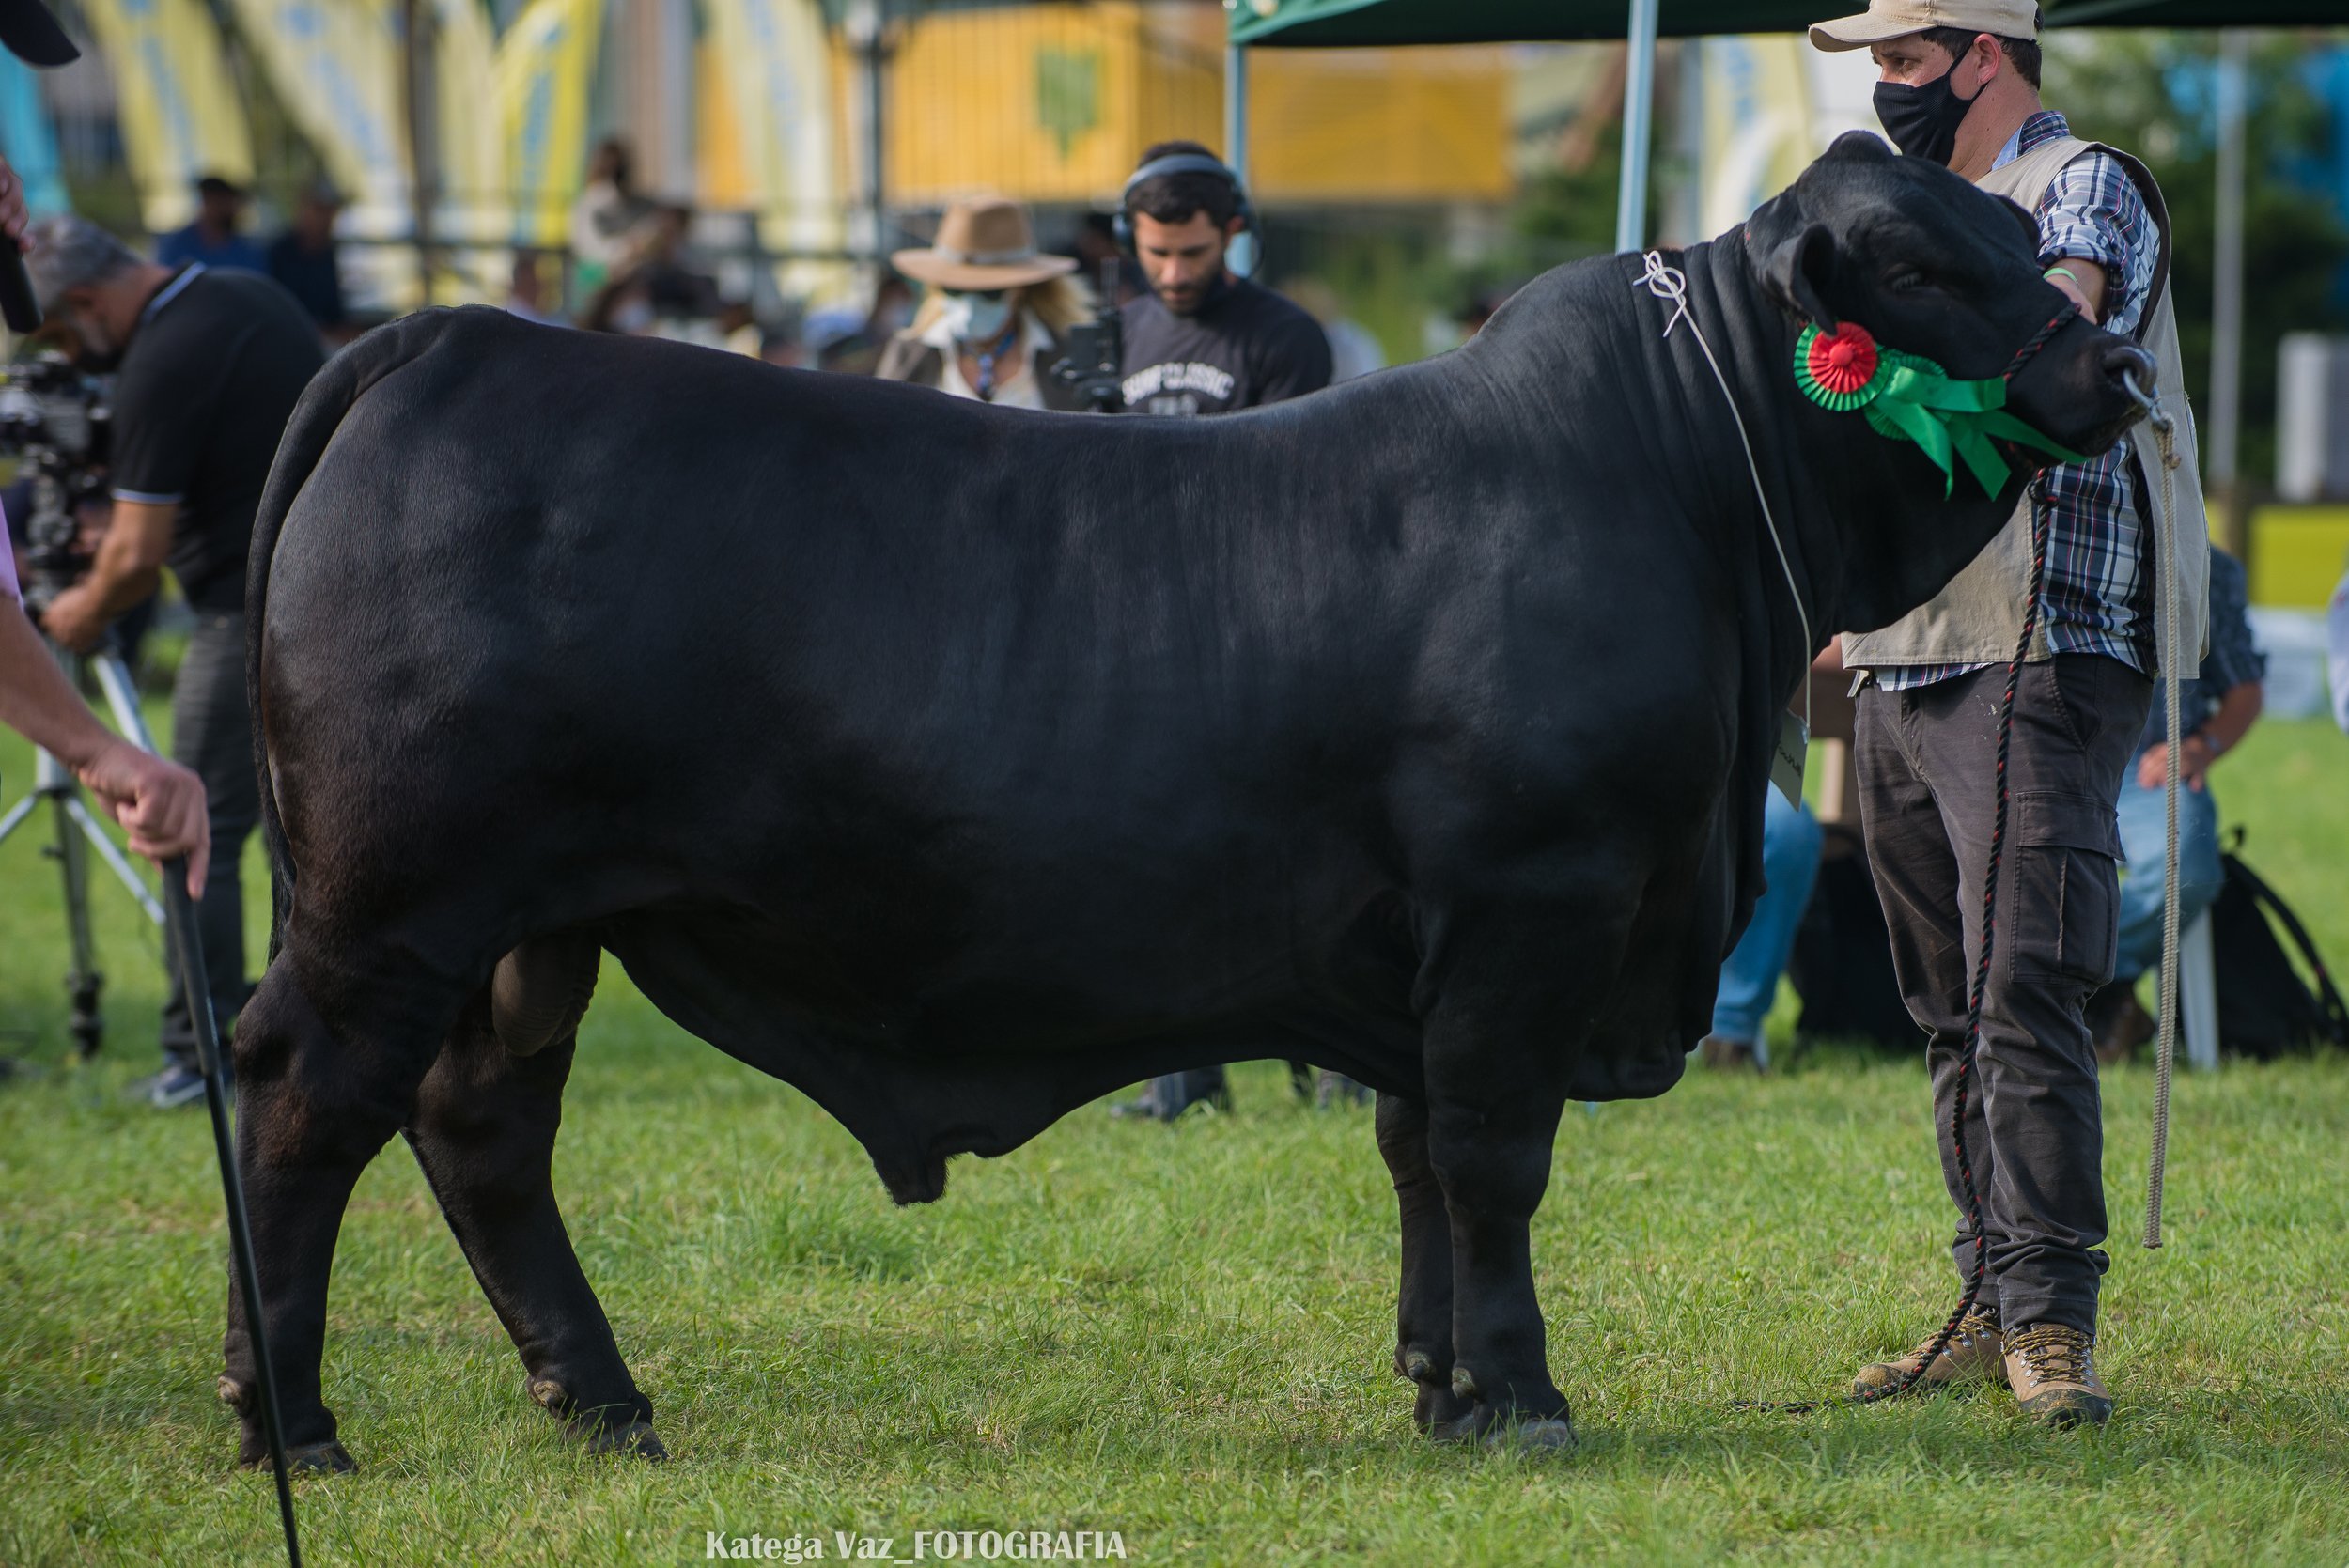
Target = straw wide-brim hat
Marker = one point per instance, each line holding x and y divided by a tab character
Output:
983	243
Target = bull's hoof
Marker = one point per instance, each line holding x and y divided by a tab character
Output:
603	1431
1539	1435
1434	1406
635	1440
327	1458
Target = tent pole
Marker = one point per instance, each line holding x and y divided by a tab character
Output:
1639	114
2226	328
1243	256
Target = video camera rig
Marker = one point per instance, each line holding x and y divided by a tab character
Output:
55	417
1095	365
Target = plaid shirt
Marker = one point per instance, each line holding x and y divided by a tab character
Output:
2095	597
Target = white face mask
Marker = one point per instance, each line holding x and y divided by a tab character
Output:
977	318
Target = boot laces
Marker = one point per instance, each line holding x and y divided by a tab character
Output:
2054	1353
1971	1327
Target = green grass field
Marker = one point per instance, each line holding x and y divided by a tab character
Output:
1183	1335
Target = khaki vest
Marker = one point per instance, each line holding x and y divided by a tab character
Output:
1978	618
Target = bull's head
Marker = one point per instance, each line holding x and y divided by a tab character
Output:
1933	265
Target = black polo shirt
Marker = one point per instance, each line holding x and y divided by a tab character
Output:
1245	347
208	380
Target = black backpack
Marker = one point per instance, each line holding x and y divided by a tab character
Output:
1841	964
2264	1008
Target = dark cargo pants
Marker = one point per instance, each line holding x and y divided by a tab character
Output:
211	736
2034	1127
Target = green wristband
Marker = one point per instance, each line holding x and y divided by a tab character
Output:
2066	273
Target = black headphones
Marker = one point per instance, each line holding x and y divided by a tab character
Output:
1122	227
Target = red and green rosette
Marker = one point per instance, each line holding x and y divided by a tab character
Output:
1838	371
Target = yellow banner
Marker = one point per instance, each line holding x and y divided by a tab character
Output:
1757	125
335	66
471	151
546	66
773	57
179	109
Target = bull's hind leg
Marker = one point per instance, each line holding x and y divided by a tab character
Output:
1423	1335
484	1133
327	1068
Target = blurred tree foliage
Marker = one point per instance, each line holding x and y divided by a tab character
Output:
2154	94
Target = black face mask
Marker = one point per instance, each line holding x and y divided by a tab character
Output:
1922	120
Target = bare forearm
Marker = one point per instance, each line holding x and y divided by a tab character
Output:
2237	710
36	701
123	574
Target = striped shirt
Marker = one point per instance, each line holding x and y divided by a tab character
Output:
2095	598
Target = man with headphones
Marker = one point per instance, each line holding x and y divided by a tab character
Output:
1204	339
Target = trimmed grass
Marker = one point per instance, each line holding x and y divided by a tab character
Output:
1183	1335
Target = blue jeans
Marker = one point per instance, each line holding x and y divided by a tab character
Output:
1790	864
2143	829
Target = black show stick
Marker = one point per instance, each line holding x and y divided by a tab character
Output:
182	912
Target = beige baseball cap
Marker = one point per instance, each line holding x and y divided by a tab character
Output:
1885	20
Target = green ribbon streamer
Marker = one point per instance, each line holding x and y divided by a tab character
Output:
1950	418
1911	398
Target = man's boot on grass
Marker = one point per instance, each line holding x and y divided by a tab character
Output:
1975	1354
2052	1369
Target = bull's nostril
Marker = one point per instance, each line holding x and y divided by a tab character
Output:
2129	360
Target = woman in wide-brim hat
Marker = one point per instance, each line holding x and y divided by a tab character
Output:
994	313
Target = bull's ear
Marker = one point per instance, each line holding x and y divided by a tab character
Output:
1796	270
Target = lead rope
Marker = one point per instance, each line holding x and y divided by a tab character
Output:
2166	592
1670	283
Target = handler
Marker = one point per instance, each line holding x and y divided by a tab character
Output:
1960	84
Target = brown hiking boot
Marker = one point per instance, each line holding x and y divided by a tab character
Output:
2050	1367
1973	1354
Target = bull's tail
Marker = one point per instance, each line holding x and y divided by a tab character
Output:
315	418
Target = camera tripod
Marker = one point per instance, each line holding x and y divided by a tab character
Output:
79	833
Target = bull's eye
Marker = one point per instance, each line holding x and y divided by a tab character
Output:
1908	278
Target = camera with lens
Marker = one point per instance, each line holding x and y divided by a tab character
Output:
54	418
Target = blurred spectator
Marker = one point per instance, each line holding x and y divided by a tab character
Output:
305	261
605	217
990	328
213	238
1791	839
526	294
1472	316
2337	644
679	291
853	344
1352	350
2216	708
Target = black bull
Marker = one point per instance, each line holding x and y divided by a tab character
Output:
958	765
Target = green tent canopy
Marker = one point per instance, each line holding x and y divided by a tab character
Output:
1334	23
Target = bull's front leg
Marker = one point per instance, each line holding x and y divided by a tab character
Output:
1423	1315
1493	1103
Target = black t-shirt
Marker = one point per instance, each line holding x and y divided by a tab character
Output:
1246	348
209	377
313	277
